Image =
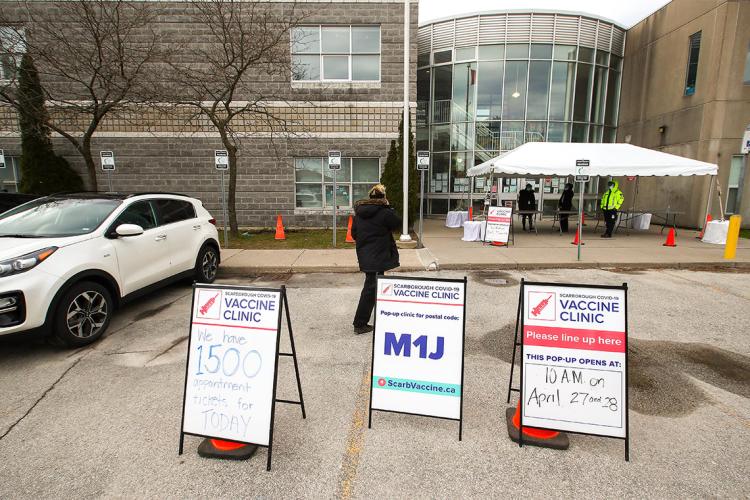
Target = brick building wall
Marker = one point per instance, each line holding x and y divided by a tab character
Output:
174	153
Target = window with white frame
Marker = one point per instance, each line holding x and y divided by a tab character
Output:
10	175
353	181
336	53
12	48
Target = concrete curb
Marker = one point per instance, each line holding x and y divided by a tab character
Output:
239	272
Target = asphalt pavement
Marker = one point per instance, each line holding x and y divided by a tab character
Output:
103	421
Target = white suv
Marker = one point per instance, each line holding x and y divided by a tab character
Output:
68	261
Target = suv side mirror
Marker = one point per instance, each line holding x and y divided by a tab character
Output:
128	230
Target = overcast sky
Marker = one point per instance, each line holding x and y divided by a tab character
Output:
625	12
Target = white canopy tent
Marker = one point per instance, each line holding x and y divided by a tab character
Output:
616	160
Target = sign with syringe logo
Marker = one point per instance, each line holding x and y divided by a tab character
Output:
232	351
574	365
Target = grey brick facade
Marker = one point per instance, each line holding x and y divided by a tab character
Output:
180	162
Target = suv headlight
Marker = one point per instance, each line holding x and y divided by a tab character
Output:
25	262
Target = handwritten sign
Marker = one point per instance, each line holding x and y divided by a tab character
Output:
417	363
498	224
574	358
232	352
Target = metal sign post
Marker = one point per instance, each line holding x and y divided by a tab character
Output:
221	162
334	164
582	178
423	165
108	165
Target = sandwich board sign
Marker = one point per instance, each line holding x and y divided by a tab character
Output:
498	224
108	160
232	364
418	348
574	369
221	159
2	158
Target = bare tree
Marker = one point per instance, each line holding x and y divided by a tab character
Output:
226	74
93	58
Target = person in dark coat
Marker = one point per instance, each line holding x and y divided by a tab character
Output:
565	204
527	201
372	229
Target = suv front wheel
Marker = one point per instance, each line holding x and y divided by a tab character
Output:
207	264
83	314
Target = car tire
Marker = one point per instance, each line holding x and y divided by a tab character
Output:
82	315
207	264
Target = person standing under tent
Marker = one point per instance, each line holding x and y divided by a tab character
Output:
372	229
612	200
565	205
527	201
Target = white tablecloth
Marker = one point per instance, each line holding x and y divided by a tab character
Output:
456	218
474	230
716	232
641	222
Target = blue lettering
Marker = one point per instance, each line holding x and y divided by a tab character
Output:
397	346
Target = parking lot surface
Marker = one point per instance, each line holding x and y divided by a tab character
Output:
104	421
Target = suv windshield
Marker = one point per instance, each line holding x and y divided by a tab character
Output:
50	217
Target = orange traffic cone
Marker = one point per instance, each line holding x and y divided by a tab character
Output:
670	239
349	238
471	213
218	448
532	435
703	229
577	238
279	229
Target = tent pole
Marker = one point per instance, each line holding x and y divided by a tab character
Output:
708	202
581	191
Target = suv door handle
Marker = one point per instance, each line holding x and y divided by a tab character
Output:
161	237
196	227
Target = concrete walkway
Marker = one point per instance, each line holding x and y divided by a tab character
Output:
548	249
237	263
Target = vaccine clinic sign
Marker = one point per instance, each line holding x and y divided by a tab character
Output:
498	224
418	346
231	363
574	354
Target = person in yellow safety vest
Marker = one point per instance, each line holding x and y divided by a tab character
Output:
612	200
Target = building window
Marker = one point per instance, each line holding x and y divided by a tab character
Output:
10	176
694	48
12	47
734	186
353	181
746	75
336	53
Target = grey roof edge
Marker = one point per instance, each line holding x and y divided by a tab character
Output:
522	11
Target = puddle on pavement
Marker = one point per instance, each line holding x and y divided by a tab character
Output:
660	371
493	278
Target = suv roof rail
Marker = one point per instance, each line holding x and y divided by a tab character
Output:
145	193
113	194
